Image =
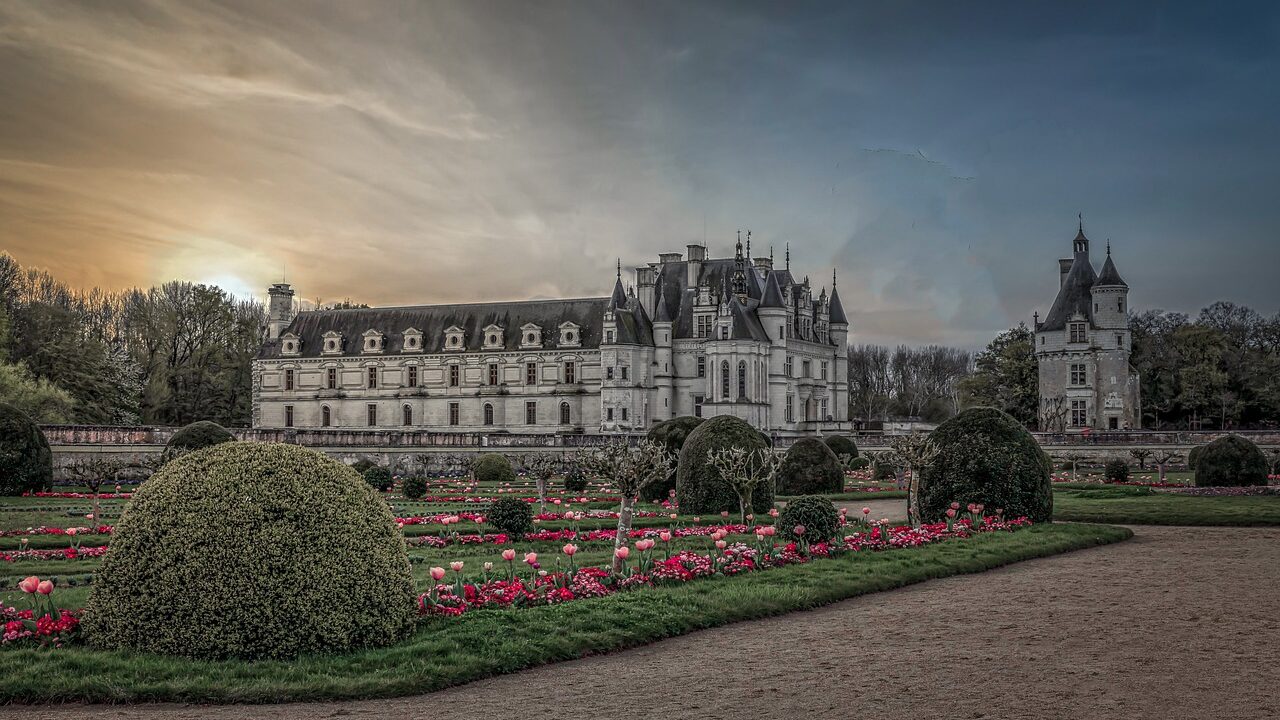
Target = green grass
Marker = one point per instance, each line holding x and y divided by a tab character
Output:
447	652
1140	506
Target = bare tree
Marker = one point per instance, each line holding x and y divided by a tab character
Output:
1162	460
631	470
542	467
745	471
914	452
1141	455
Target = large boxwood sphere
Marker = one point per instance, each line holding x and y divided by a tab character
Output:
247	550
810	468
1231	461
671	434
699	488
201	434
494	468
815	513
985	456
26	465
841	445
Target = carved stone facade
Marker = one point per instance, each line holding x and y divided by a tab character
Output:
693	336
1083	347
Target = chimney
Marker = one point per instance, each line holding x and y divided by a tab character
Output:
646	278
697	253
763	264
279	309
664	258
1064	267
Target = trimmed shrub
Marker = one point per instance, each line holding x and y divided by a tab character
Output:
1193	457
197	435
985	456
379	478
26	465
699	488
817	514
575	479
362	465
884	471
511	516
415	487
1117	471
671	434
494	468
810	468
841	445
252	551
859	463
1231	461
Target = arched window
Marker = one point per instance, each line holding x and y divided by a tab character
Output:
742	378
488	414
407	413
326	418
564	413
724	380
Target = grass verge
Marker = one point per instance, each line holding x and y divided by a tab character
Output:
1131	506
445	652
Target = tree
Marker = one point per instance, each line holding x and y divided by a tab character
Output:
41	400
744	471
1162	459
914	452
631	470
1006	377
542	466
1141	455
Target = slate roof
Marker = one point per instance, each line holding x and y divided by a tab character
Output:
432	320
837	310
1109	275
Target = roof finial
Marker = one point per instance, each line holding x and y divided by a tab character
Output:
1108	247
1080	226
748	244
833	279
619	268
771	255
788	254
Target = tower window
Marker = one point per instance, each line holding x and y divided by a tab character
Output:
1079	375
1119	340
1079	413
697	405
742	378
1120	305
331	378
724	380
1079	332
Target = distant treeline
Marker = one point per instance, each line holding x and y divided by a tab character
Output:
906	381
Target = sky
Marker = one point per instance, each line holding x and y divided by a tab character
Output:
934	155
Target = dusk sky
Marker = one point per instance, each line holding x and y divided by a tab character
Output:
936	154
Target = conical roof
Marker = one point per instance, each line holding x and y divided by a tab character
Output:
1109	275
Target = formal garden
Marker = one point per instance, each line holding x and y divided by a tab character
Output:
262	573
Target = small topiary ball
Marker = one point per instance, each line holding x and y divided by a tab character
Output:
197	435
363	464
250	550
493	468
671	434
415	487
699	487
575	479
1117	471
884	471
814	513
841	445
26	464
379	478
987	457
810	468
859	463
511	516
1231	461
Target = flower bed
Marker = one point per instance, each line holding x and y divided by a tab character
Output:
70	532
67	553
79	495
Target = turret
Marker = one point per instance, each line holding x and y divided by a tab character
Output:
279	309
1111	300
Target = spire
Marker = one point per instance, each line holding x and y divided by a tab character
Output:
619	268
833	279
1080	246
748	244
660	313
1109	275
835	311
619	297
772	292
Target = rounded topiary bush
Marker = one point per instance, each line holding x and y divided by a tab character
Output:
815	514
248	550
810	468
494	468
575	479
1117	471
379	478
197	435
841	445
415	487
884	471
699	488
859	463
26	465
511	516
1231	461
1193	457
671	434
985	456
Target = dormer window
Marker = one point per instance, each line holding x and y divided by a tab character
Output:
570	335
493	338
412	340
453	339
372	341
290	344
530	336
332	343
1079	332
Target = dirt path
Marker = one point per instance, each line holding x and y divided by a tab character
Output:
1177	622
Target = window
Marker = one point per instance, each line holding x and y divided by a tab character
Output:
288	379
564	413
531	413
788	366
724	380
608	373
702	366
453	413
824	369
624	414
791	408
373	378
371	411
1119	340
806	368
453	375
1079	333
742	378
608	337
493	373
1079	415
1079	375
697	405
608	414
413	377
406	415
570	372
531	373
288	416
331	379
1120	305
623	370
704	326
724	332
822	410
326	416
488	414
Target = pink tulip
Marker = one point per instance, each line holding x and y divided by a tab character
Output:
673	516
951	512
721	544
531	558
570	549
798	530
622	553
437	573
724	513
664	536
866	511
508	555
955	506
89	516
696	519
72	532
30	584
773	512
45	587
456	566
568	515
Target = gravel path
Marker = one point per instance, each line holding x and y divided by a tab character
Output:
1177	622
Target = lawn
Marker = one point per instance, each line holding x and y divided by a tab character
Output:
1143	506
449	651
